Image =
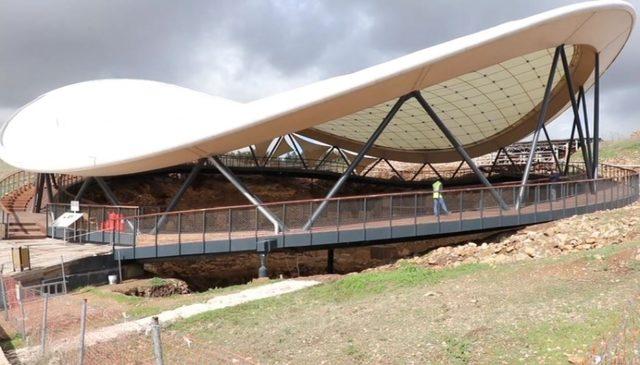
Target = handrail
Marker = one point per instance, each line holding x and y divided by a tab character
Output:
353	197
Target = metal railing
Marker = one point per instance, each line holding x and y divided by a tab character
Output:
370	218
373	169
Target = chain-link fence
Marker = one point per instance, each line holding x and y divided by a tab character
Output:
44	328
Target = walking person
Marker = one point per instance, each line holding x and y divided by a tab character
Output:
438	200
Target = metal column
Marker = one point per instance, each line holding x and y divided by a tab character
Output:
536	134
356	161
576	112
277	224
573	133
596	117
178	196
458	146
37	202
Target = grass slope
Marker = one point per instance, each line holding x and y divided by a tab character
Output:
527	312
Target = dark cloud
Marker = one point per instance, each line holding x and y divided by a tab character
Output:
249	49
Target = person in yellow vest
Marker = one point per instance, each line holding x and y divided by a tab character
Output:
438	200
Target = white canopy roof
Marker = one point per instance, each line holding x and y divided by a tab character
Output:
486	87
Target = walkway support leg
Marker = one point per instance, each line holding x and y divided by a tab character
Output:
461	151
330	268
178	196
536	134
277	224
356	161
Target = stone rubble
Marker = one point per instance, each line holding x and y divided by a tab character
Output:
578	233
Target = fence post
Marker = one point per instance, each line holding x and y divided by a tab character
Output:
64	277
43	335
3	292
120	267
83	328
23	328
157	344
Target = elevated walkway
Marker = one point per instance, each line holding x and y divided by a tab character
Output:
360	220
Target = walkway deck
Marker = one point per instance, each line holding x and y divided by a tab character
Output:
368	219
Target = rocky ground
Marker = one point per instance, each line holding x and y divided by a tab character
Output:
577	233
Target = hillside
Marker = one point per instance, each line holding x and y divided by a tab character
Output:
623	152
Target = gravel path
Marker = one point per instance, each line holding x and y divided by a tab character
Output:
110	333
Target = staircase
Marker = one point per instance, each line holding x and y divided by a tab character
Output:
18	200
22	224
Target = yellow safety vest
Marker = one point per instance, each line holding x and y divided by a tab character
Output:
437	186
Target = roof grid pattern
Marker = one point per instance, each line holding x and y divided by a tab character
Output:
474	106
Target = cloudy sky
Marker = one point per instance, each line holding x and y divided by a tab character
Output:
245	50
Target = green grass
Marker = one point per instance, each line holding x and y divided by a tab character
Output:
556	340
371	283
616	149
106	294
156	282
349	288
12	343
458	350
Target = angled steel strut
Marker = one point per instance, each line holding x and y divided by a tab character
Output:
178	195
278	225
356	161
541	119
458	147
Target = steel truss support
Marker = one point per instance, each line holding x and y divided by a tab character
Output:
178	195
568	159
298	153
83	188
495	162
352	166
541	119
418	172
344	157
273	150
458	147
324	158
585	116
506	153
455	172
553	152
253	155
576	112
37	201
277	224
108	193
371	167
47	180
436	171
394	169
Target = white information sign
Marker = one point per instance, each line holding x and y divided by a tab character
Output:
66	219
75	206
